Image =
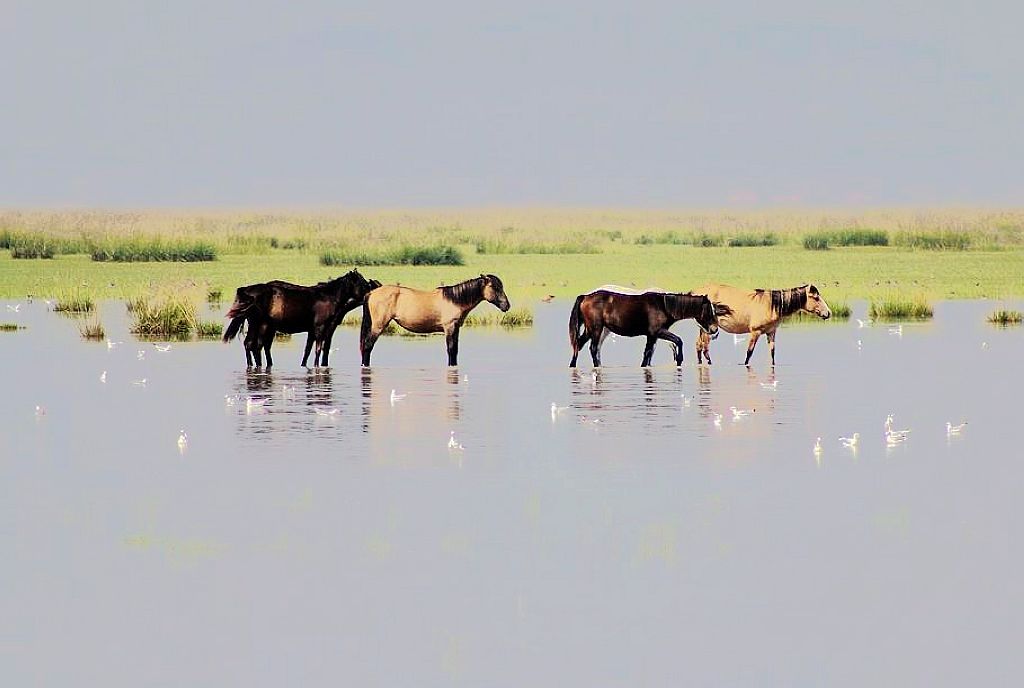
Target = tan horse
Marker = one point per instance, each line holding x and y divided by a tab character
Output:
439	310
758	312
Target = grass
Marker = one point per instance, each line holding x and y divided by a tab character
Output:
208	329
10	327
1006	317
93	330
214	296
399	255
743	240
500	246
895	307
841	311
74	302
153	249
171	317
515	317
824	240
934	241
676	249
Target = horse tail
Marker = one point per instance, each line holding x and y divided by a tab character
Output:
574	324
238	312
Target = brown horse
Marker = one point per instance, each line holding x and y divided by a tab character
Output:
440	310
649	314
759	312
278	306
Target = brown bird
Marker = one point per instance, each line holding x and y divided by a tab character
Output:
547	299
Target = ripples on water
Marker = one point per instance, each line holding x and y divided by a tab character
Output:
627	540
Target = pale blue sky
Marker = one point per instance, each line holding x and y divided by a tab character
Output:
442	103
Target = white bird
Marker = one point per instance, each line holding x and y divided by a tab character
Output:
162	348
229	400
898	330
889	432
40	411
141	355
740	413
330	411
182	441
15	308
718	420
955	429
111	345
773	385
860	345
452	444
892	439
850	442
984	345
556	409
864	323
140	383
395	396
817	447
103	376
465	378
686	400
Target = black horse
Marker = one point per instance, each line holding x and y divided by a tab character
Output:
650	314
277	306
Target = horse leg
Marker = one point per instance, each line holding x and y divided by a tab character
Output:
754	334
584	338
676	342
595	345
771	344
327	347
268	341
366	346
451	335
649	350
309	347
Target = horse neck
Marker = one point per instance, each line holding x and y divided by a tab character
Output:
683	306
466	295
788	301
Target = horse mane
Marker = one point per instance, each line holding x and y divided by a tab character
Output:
787	301
681	306
468	293
339	282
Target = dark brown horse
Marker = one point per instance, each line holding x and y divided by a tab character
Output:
277	306
649	314
438	310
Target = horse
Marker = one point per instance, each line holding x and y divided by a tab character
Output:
759	312
440	310
279	306
649	314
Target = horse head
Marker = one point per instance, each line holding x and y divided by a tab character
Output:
494	292
815	304
707	320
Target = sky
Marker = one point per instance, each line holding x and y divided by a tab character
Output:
526	103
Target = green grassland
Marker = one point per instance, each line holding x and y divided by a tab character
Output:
948	254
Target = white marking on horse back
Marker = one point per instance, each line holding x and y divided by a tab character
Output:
629	291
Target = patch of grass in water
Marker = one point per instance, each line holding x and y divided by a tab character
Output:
515	317
208	329
92	331
1006	317
171	317
10	327
215	295
74	302
900	308
840	311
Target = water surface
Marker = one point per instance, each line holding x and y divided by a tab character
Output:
628	541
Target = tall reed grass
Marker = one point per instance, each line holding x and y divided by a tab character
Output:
170	317
826	239
10	327
154	249
92	330
398	255
934	241
514	317
74	302
503	246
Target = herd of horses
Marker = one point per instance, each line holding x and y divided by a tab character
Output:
271	307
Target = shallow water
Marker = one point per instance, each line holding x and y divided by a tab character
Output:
650	547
